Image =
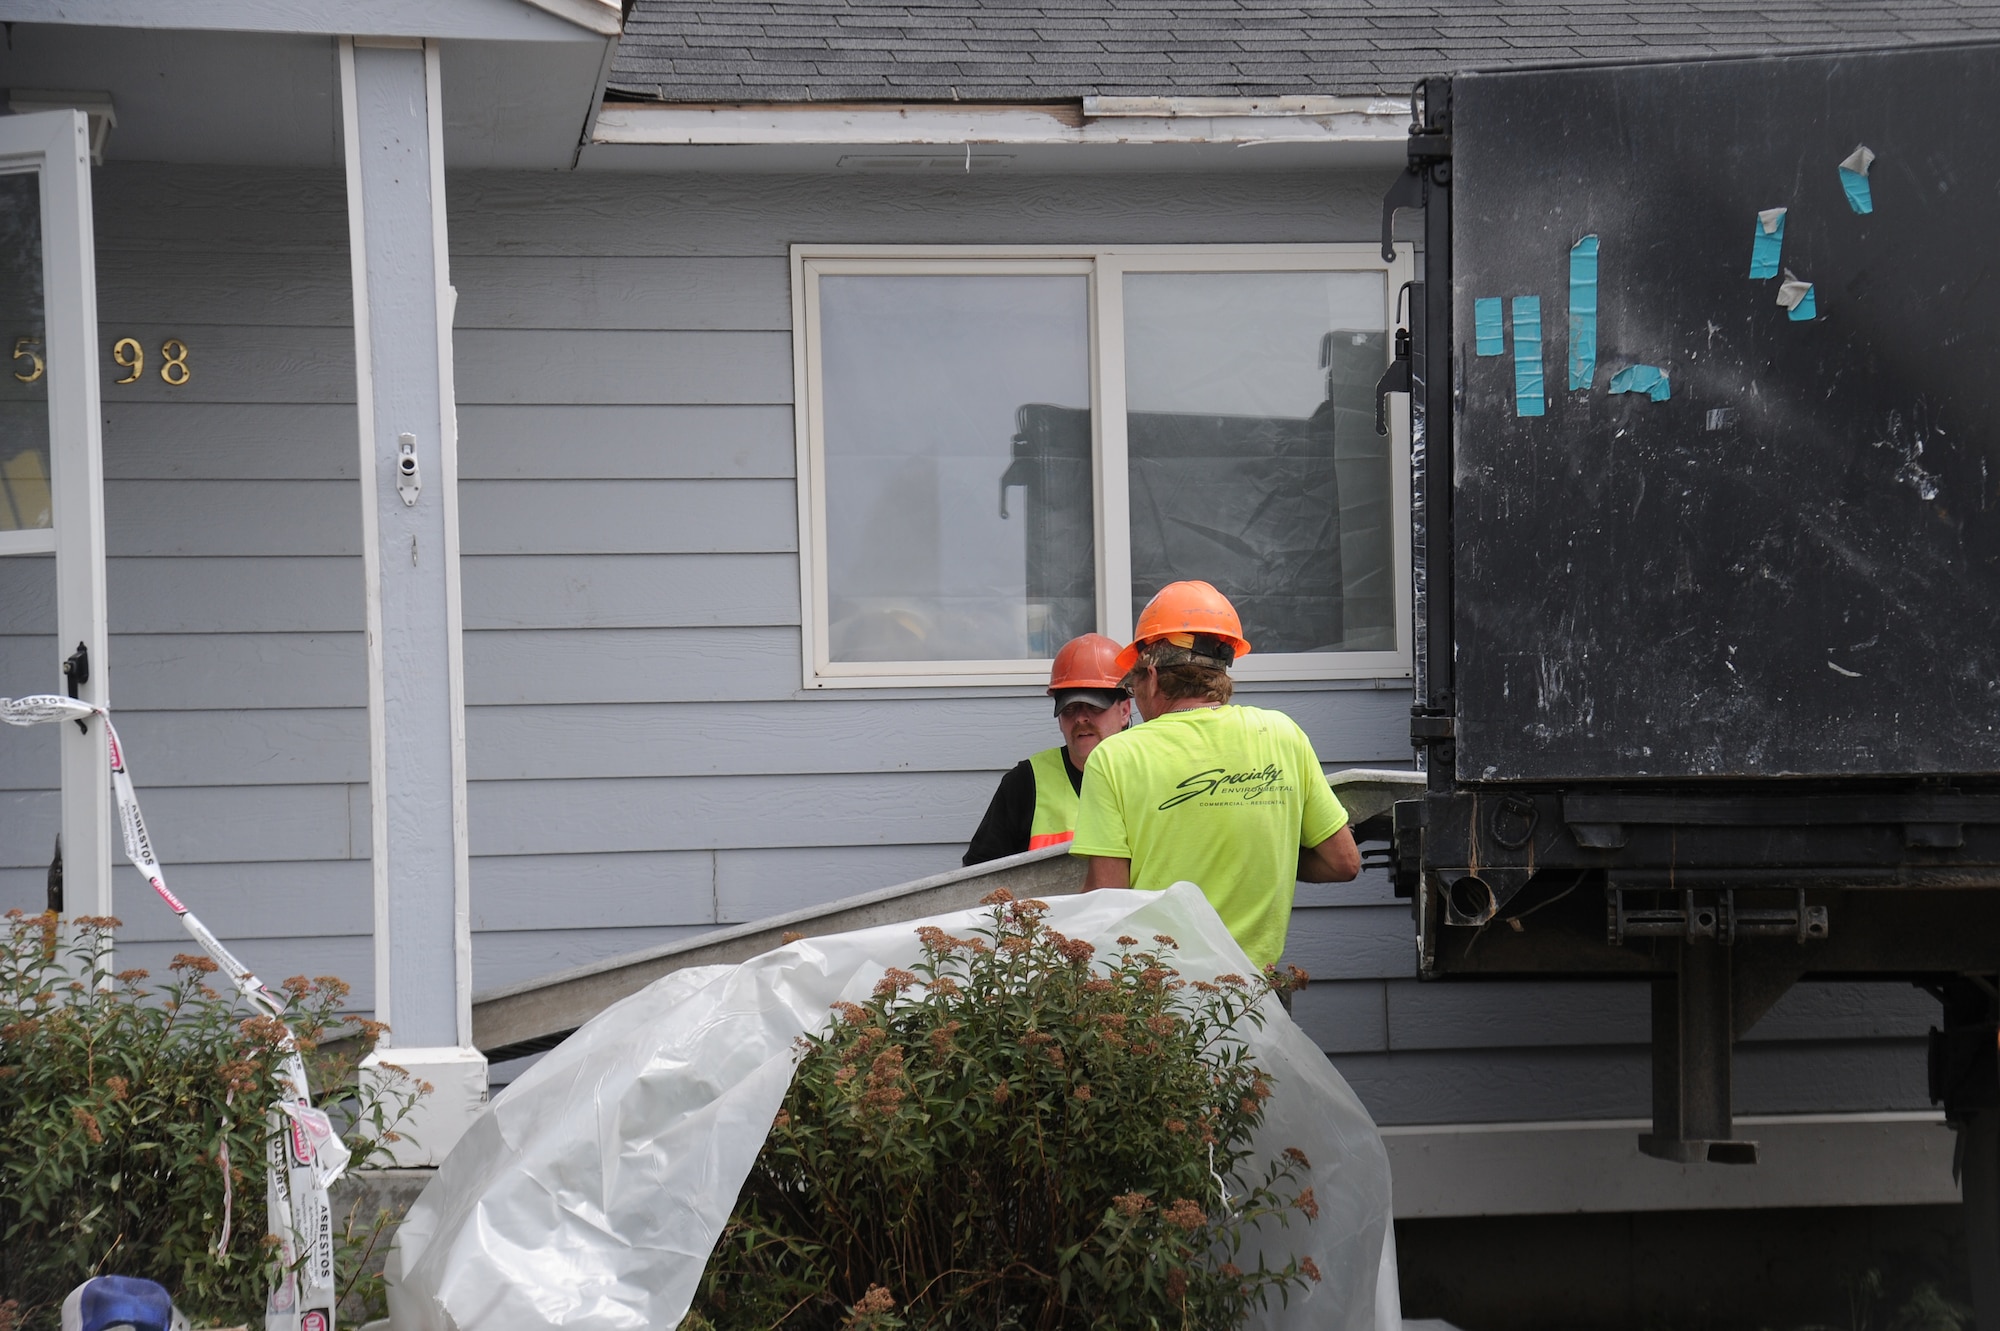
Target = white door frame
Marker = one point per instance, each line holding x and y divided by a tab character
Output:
57	145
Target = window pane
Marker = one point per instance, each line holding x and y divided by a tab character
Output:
1254	459
24	388
956	411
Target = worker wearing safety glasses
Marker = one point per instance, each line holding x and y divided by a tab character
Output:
1035	805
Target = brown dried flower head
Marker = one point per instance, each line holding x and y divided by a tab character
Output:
876	1300
88	1122
894	981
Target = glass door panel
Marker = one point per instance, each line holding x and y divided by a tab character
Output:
27	511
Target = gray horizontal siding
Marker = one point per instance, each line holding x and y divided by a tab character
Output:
600	665
207	671
629	591
242	824
697	812
267	746
508	365
627	517
197	595
182	440
570	442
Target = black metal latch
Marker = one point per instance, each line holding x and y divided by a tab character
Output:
1430	728
1395	379
1429	154
77	671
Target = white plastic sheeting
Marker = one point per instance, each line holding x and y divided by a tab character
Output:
590	1192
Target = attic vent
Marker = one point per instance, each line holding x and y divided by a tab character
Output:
958	161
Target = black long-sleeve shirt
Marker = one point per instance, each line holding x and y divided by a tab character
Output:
1010	817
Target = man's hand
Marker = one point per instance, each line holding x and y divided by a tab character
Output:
1334	860
1104	871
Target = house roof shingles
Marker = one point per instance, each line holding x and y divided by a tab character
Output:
1008	51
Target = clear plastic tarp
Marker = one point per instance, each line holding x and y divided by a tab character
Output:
591	1191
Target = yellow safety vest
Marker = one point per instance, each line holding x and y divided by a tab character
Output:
1055	800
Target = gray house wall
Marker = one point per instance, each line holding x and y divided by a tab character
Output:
644	764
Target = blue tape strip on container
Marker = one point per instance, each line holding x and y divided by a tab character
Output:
1859	197
1583	312
1806	309
1766	247
1530	398
1489	334
1648	379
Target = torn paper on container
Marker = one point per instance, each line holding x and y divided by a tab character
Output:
589	1194
1854	179
1797	297
1767	243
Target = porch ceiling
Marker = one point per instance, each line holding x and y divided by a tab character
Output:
272	99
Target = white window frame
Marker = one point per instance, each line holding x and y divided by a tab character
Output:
1105	267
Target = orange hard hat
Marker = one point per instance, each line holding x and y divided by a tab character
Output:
1179	613
1087	662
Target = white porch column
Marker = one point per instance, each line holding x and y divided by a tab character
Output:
409	512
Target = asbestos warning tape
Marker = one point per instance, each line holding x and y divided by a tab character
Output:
305	1155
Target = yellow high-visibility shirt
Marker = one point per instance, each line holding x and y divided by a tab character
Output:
1055	799
1221	796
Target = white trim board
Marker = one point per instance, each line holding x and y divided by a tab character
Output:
1366	121
1868	1159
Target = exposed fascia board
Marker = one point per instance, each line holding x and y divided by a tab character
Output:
482	20
741	125
599	16
1804	1160
1095	108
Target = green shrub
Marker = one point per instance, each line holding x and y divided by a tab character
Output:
122	1102
1015	1135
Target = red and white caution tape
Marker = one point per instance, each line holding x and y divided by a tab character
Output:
305	1154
